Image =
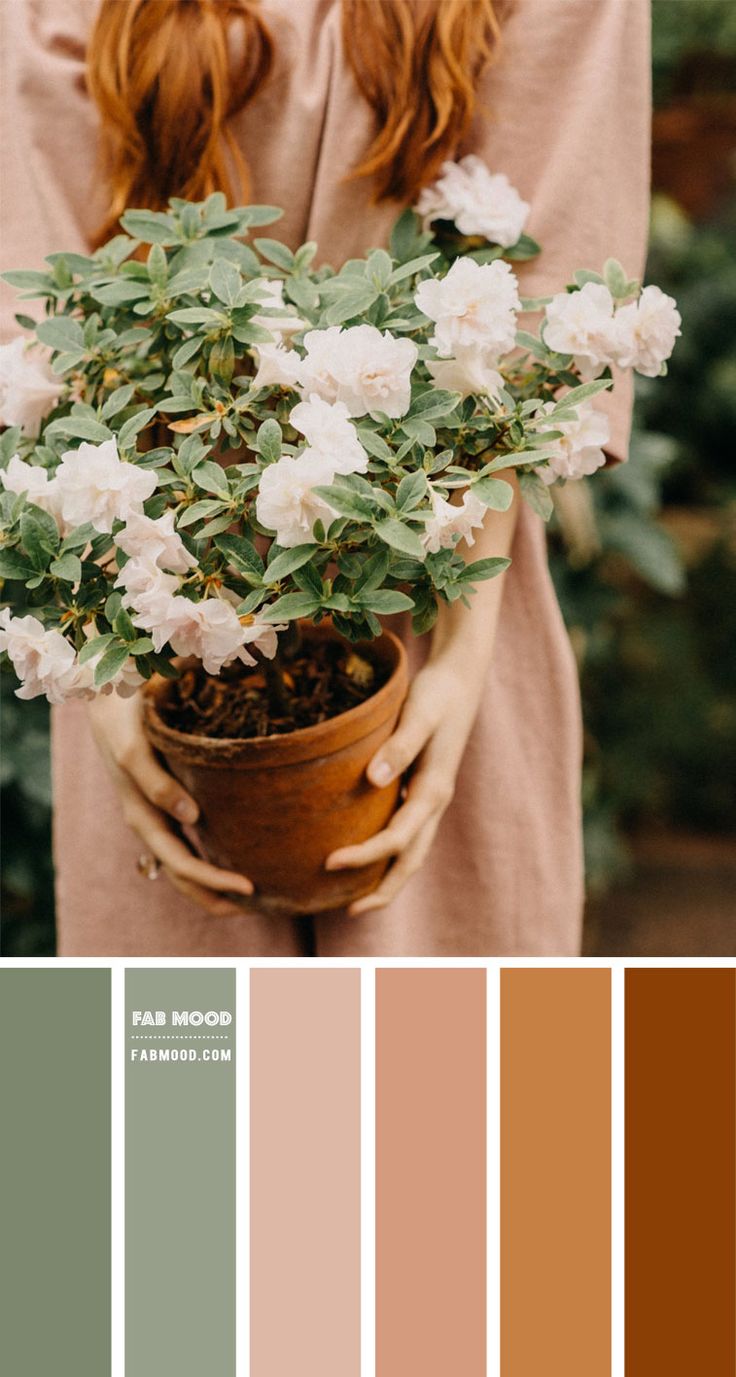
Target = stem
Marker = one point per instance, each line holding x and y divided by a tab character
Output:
288	647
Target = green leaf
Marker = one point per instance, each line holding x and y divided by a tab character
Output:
536	493
199	511
61	332
111	662
523	249
354	301
39	535
275	252
269	440
28	281
408	239
186	351
434	402
150	226
373	572
222	358
400	537
197	315
117	401
241	553
415	265
158	268
616	280
14	565
80	428
345	501
289	560
483	569
211	478
576	395
121	292
386	601
67	567
94	647
411	490
493	493
225	281
290	607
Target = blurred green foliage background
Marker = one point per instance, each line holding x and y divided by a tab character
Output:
645	565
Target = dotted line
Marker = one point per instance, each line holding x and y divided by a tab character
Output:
181	1037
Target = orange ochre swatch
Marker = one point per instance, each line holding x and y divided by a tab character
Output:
556	1173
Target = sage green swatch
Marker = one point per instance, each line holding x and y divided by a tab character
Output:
54	1172
180	1176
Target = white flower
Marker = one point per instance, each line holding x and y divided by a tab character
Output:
96	486
155	542
363	367
646	332
28	388
286	503
583	324
277	366
210	630
451	523
475	305
262	635
478	201
469	373
272	296
145	585
44	661
579	452
34	481
329	432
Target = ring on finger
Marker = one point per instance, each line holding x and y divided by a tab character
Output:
148	866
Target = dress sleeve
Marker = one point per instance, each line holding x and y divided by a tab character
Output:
566	114
51	194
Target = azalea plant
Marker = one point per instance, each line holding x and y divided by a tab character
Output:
210	438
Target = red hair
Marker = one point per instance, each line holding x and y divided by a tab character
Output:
163	77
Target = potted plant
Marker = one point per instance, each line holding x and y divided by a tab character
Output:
224	466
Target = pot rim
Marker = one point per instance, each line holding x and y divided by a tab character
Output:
284	748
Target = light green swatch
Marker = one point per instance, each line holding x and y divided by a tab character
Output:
180	1174
54	1172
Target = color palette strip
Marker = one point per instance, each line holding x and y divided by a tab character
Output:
308	1306
180	1173
54	1172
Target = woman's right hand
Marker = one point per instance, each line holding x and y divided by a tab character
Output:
149	796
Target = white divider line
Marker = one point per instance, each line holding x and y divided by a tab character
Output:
117	1170
493	1178
618	1160
242	1174
368	1169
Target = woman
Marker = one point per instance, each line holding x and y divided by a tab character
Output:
341	112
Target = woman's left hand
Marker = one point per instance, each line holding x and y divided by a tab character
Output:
433	731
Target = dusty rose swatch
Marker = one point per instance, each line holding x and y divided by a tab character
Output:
430	1173
305	1173
556	1173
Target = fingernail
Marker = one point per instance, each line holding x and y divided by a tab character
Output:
186	810
243	886
380	774
333	862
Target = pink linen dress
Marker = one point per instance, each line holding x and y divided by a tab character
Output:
566	117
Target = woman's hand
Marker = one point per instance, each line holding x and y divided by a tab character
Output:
433	731
149	795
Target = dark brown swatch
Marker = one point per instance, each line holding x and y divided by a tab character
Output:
680	1172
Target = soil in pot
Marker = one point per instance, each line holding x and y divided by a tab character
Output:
325	678
274	805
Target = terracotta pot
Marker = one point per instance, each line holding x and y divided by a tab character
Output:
274	807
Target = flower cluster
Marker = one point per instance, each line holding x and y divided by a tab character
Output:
590	326
208	443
